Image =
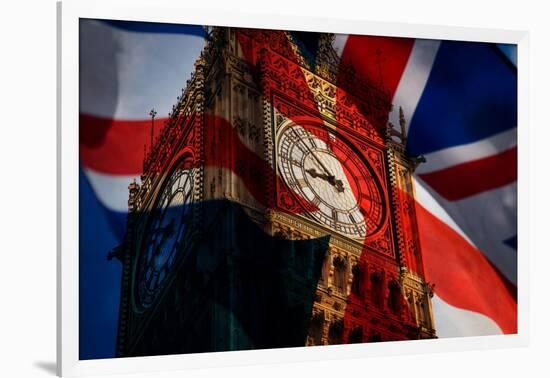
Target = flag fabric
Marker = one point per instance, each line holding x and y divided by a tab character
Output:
460	101
126	69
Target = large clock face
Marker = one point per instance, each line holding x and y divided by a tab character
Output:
164	238
332	177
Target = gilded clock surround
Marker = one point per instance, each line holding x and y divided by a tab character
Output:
369	290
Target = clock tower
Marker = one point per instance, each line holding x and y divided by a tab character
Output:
276	208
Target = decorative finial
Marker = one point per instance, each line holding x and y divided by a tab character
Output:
144	155
208	33
402	133
402	123
152	113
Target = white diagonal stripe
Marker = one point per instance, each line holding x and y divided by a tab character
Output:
339	43
487	147
414	79
452	321
488	218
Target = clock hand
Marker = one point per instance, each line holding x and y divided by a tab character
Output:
314	174
319	162
338	184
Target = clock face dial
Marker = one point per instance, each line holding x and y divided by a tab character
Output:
164	237
332	177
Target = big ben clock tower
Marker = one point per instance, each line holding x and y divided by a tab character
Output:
275	209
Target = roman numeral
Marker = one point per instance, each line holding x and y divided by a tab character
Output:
316	201
302	183
291	160
335	216
296	163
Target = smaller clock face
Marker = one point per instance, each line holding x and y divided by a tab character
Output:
164	238
332	177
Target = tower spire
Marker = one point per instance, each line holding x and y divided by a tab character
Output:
402	123
152	113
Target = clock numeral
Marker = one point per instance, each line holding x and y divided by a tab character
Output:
316	201
302	183
335	216
291	160
296	163
293	185
302	148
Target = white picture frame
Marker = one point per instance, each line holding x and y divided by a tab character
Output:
69	13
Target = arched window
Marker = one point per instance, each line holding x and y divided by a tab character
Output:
335	332
421	310
376	288
316	328
394	297
356	335
358	280
323	280
340	274
410	304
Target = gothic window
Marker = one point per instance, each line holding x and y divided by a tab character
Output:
410	303
376	288
316	328
421	312
340	274
335	332
357	283
324	273
394	297
356	335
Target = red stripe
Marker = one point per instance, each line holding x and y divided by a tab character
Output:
463	277
464	180
114	146
378	60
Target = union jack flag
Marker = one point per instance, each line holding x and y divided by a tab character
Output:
460	101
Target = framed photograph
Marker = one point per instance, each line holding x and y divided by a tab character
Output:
241	188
